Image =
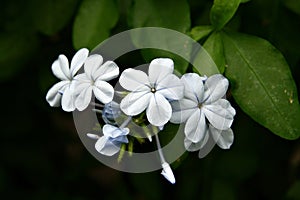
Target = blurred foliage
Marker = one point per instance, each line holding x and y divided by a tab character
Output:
43	158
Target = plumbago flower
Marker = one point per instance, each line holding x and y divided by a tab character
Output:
110	143
61	93
94	81
152	92
203	103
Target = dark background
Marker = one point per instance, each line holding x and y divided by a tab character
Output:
42	157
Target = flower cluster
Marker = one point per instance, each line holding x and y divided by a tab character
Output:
194	100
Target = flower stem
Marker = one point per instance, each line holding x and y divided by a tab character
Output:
97	104
126	122
161	155
97	110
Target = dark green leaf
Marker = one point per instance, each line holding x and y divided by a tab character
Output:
222	11
93	22
294	191
214	47
155	13
161	14
50	16
293	5
199	32
262	83
15	51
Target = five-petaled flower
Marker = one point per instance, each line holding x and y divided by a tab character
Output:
152	92
204	102
61	92
94	80
110	143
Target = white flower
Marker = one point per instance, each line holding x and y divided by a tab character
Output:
223	138
203	102
94	81
61	93
168	173
151	92
111	141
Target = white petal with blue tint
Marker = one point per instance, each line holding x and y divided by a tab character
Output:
84	98
106	146
54	94
134	80
223	138
168	173
191	146
108	71
92	63
135	103
78	60
219	117
182	110
195	127
216	87
159	68
171	87
193	87
103	91
64	66
113	131
159	110
67	102
57	71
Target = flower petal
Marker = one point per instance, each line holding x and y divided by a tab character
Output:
114	132
191	146
53	96
92	63
159	68
168	173
224	138
221	118
195	127
67	102
215	88
193	87
171	87
103	91
78	60
134	80
57	71
135	103
182	110
64	66
107	147
107	71
84	98
225	104
159	111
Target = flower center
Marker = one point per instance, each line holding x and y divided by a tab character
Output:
153	90
199	105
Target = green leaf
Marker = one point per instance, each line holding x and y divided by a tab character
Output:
262	83
294	191
222	11
50	16
214	47
156	13
199	32
16	50
93	22
159	13
293	5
